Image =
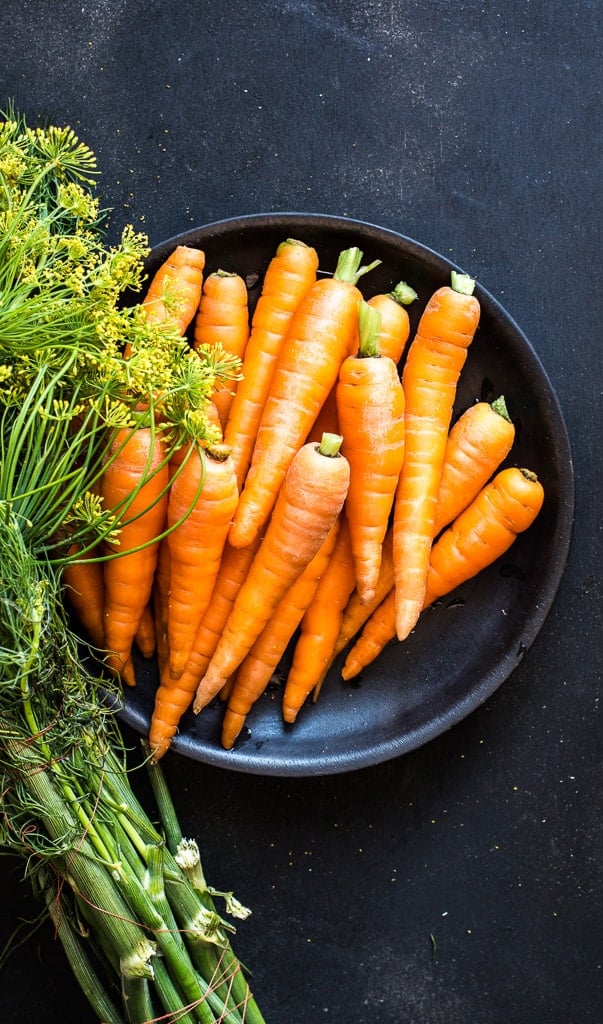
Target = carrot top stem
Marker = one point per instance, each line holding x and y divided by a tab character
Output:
461	283
403	294
369	330
500	406
330	444
349	265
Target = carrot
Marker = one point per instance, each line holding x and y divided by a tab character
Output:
316	345
159	598
133	484
320	626
370	409
145	638
258	666
84	588
174	292
223	319
485	530
291	272
308	504
355	613
395	323
477	444
435	359
174	696
203	497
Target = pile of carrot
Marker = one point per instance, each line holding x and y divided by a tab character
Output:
341	500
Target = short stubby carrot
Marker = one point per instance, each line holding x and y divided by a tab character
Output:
318	341
320	626
290	274
174	292
395	323
202	499
258	667
223	320
432	368
482	533
370	409
134	485
477	444
308	505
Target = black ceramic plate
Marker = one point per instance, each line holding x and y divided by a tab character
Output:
466	646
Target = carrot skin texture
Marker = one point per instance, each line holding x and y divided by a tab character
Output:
223	319
308	504
320	626
370	406
174	292
482	533
204	495
432	368
258	666
317	342
128	579
477	444
290	274
174	696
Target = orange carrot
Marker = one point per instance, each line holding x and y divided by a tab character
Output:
174	696
291	272
159	598
84	589
320	626
174	292
134	485
308	504
257	668
435	359
370	409
307	369
202	499
395	324
477	444
223	319
486	529
145	638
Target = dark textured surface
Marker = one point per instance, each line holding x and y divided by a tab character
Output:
461	882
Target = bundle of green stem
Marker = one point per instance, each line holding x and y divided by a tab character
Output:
127	897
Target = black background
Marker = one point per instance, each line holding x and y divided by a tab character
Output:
461	882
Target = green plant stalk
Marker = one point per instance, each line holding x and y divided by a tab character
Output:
81	965
137	1000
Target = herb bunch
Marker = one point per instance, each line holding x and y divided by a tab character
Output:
127	898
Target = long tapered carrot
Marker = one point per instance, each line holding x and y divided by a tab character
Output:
223	319
291	272
317	343
174	292
320	625
202	499
370	410
308	504
174	696
477	444
259	665
395	323
485	530
432	368
84	589
133	484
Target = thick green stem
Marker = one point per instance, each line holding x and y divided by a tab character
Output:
369	331
349	266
